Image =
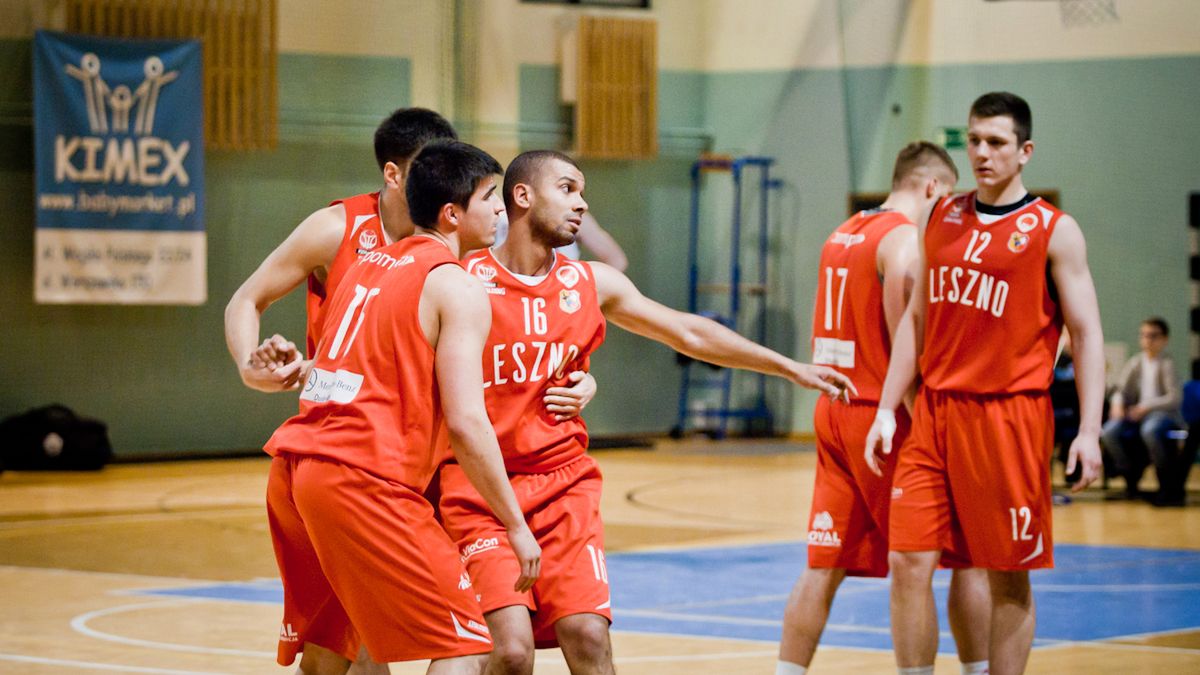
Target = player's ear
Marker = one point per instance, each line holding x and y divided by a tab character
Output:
1026	152
931	187
449	213
522	196
394	174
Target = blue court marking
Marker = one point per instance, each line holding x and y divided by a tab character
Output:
1094	593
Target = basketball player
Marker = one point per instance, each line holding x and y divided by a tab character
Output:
324	246
1003	270
396	379
867	268
548	316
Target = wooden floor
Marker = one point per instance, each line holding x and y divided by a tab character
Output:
76	548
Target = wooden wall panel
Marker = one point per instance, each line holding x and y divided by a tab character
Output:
616	115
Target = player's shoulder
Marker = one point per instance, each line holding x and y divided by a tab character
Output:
326	220
366	202
569	270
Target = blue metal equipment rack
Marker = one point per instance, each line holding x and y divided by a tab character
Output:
722	379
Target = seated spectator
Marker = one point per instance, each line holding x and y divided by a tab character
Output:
1144	408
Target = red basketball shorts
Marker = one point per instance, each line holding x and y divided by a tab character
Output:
848	525
363	560
973	481
562	508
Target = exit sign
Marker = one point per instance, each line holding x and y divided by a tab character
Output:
953	138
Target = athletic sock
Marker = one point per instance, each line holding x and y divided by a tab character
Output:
975	668
919	670
789	668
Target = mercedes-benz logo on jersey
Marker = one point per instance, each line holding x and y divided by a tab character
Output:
1027	222
1018	242
568	301
568	275
101	98
485	272
368	240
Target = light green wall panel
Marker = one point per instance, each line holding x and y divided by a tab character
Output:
160	376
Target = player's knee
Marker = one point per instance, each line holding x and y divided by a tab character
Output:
511	657
585	635
910	568
1010	587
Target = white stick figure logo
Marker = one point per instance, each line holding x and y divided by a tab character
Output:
99	97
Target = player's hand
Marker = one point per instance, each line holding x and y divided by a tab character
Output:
883	430
1085	450
275	365
1136	413
276	352
567	402
529	555
825	379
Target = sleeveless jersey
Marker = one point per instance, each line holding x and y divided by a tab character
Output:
539	334
849	328
371	400
363	233
993	323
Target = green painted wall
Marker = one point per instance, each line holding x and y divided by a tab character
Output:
160	376
1118	138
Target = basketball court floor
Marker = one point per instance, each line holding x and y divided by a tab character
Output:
167	568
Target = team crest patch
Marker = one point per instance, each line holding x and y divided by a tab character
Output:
485	272
955	213
568	275
568	301
1026	223
368	240
1018	242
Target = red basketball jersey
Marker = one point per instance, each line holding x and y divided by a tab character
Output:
849	328
993	323
539	334
363	234
371	400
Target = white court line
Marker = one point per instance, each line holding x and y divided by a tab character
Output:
750	599
92	665
1120	647
716	656
1114	588
79	624
742	621
126	518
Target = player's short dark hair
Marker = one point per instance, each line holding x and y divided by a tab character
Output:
1000	103
1159	323
403	133
525	167
919	155
445	172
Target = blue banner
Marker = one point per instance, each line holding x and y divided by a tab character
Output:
119	166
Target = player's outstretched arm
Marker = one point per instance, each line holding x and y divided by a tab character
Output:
455	309
704	339
1081	313
310	246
